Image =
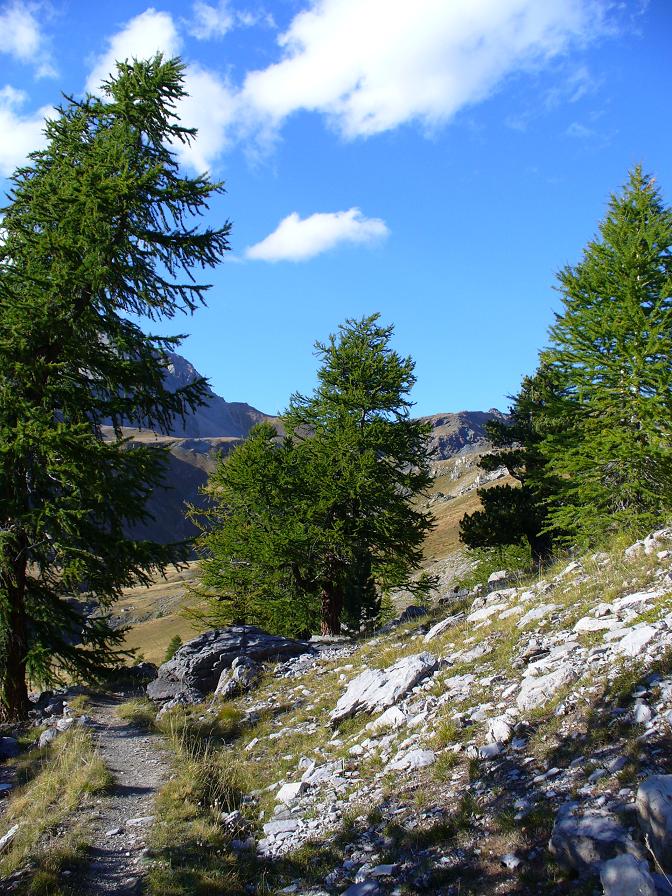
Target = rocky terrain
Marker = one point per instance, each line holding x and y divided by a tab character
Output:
515	739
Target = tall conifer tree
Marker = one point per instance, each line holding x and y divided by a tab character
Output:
323	521
612	348
98	233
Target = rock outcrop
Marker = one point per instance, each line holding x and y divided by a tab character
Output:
198	665
377	689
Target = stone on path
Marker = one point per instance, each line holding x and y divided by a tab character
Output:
198	664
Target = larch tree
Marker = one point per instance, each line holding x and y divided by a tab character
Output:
511	515
99	233
325	520
611	347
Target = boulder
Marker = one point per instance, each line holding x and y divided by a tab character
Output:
242	676
376	689
654	810
537	690
582	842
443	626
198	664
625	876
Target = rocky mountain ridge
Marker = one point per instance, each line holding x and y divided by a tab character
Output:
219	425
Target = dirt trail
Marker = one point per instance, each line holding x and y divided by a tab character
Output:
120	821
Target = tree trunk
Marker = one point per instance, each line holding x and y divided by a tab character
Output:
14	703
332	604
541	546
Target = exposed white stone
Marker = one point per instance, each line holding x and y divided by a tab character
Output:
377	689
499	730
289	792
635	640
392	719
442	627
7	838
535	614
603	623
535	691
486	612
412	759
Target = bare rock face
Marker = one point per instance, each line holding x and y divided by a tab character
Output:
377	689
654	810
198	665
242	676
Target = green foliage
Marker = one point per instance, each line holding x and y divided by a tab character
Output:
98	232
611	348
514	516
318	525
173	646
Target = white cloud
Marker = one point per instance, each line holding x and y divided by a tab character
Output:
144	36
211	21
211	108
22	37
372	65
21	134
298	239
579	131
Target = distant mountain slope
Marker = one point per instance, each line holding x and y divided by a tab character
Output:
460	433
217	418
219	425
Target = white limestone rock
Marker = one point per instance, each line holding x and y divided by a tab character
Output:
536	614
289	792
412	759
486	612
376	689
392	719
635	640
537	690
442	627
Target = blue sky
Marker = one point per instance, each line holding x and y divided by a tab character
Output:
436	161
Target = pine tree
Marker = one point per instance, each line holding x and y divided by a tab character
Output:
173	646
324	521
98	234
256	539
512	515
611	348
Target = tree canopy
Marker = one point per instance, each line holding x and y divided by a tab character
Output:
610	349
324	519
98	233
515	514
